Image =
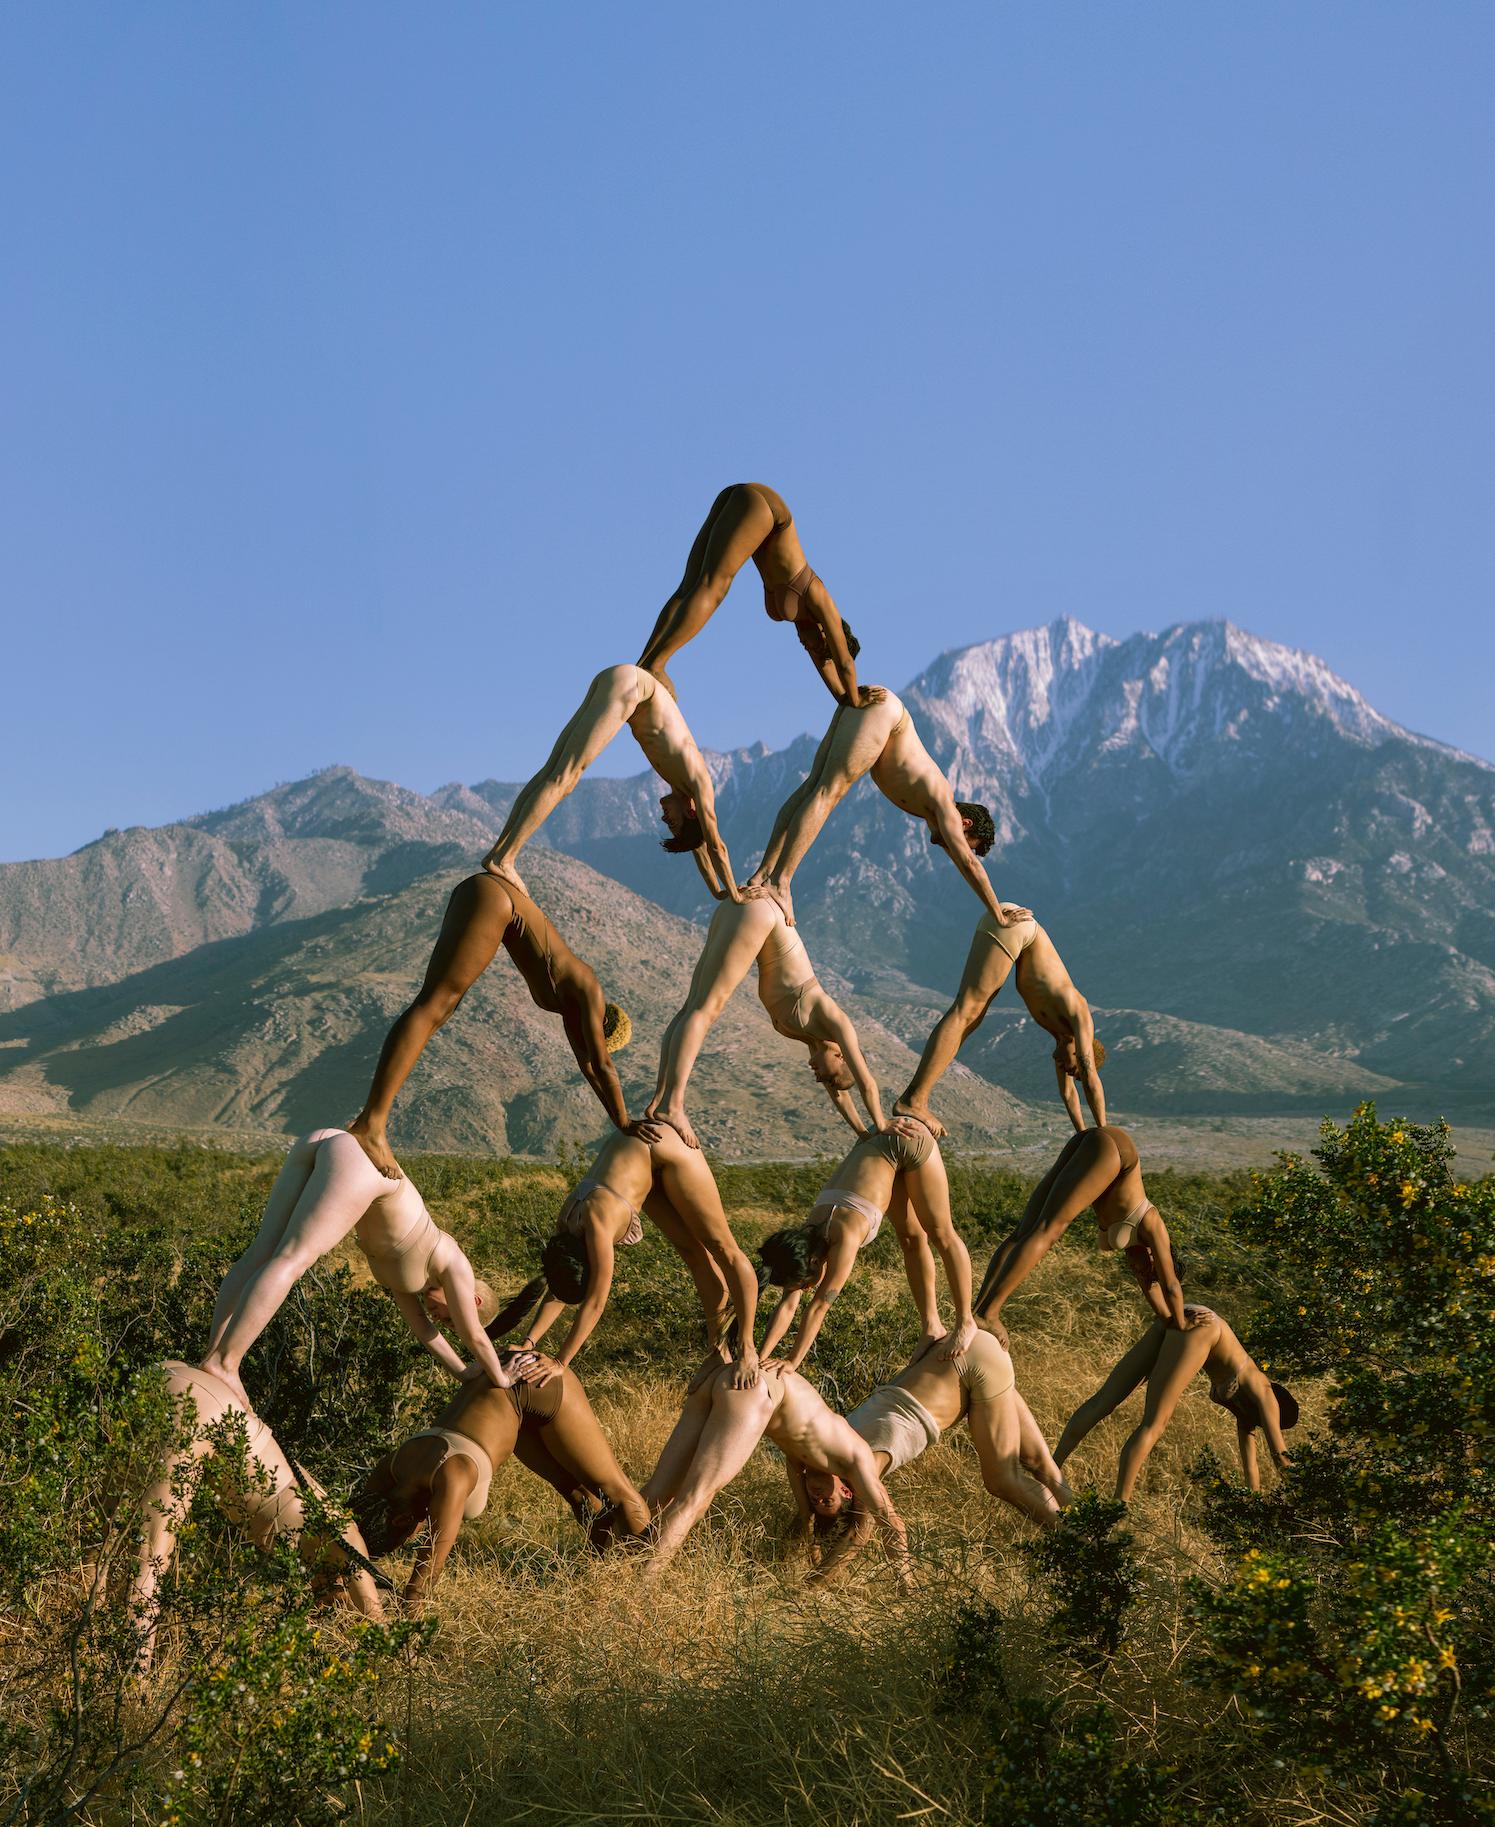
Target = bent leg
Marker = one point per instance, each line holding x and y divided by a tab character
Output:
1182	1355
996	1430
1034	1452
739	522
603	712
1089	1164
334	1197
732	1429
711	1286
576	1438
472	928
733	941
987	969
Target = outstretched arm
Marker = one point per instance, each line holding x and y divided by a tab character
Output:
413	1311
450	1488
838	1266
454	1274
840	1028
951	833
1154	1234
1095	1096
715	887
704	794
582	1018
1245	1441
841	676
1070	1095
782	1317
847	1110
594	1301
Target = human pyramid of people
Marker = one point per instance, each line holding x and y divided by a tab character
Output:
519	1401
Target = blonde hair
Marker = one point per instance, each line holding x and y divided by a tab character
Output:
483	1295
1098	1051
617	1029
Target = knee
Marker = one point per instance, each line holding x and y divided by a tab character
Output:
970	1012
1003	1480
439	1005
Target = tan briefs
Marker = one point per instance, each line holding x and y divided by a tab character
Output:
985	1371
1122	1234
834	1196
465	1447
904	1150
892	1421
1014	940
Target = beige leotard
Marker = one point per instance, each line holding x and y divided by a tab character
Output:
784	973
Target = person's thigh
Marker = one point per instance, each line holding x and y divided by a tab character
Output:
576	1438
987	969
733	941
477	917
996	1433
606	707
859	738
736	530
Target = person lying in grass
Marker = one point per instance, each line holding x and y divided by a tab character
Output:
442	1473
1099	1168
266	1498
719	1427
1167	1360
897	1171
903	1417
653	1171
327	1189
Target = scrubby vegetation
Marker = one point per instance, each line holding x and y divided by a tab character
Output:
1324	1652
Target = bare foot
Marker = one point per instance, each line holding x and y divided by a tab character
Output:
777	894
505	871
926	1339
921	1113
679	1122
373	1144
230	1380
1062	1492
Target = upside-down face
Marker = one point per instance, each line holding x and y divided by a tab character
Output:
828	1063
828	1494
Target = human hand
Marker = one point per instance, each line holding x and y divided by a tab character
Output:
537	1370
745	1369
647	1128
1013	915
870	694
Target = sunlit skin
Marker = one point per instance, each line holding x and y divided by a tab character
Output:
1098	1168
1016	1465
618	695
749	520
267	1510
718	1429
1167	1360
1051	999
482	914
917	1204
653	1171
327	1187
876	738
421	1481
741	934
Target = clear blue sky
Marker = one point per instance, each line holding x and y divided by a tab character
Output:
366	370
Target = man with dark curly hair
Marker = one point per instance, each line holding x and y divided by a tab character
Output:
878	737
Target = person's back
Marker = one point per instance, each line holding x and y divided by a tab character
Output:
663	734
1126	1194
905	771
625	1164
1046	986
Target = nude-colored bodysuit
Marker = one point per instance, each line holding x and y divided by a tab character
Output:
784	973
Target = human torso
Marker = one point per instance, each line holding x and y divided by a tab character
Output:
662	734
802	1426
398	1236
484	1414
540	956
1228	1363
784	967
903	770
623	1168
1126	1196
869	1175
1045	986
933	1383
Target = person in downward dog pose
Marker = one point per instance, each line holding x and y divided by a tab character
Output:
1100	1168
328	1187
714	1438
442	1473
879	738
749	520
269	1505
1051	998
482	914
898	1172
619	695
1167	1360
651	1171
740	933
900	1419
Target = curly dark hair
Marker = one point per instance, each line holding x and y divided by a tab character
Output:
1287	1406
792	1257
853	645
983	832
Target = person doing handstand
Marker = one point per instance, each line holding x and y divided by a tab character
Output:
327	1188
898	1172
1166	1360
442	1473
742	932
749	520
650	1171
902	1418
718	1429
268	1504
1100	1168
619	695
1051	998
482	914
879	739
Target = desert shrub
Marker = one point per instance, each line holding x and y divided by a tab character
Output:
1355	1629
1089	1568
82	1321
1046	1762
